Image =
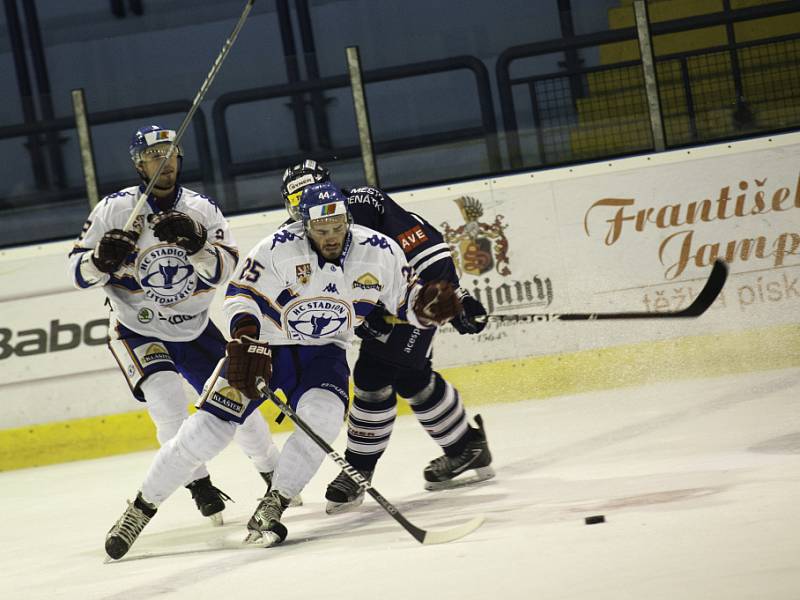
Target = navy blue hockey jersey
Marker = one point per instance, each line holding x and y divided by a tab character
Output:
422	243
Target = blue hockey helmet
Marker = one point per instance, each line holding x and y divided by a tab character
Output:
152	141
322	201
299	177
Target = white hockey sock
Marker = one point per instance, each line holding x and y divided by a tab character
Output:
167	405
300	458
254	438
201	437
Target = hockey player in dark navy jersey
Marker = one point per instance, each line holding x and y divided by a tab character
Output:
396	359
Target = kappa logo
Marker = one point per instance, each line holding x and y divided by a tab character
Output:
316	318
331	288
165	274
477	247
281	237
367	281
378	242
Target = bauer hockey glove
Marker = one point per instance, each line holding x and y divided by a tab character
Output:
112	250
437	303
374	324
465	322
178	228
248	359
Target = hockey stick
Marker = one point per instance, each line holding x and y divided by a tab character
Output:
711	289
193	109
421	535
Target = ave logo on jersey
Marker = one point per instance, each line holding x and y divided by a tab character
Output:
412	238
165	274
316	318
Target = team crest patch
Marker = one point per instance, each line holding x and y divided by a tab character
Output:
152	353
165	274
303	272
477	247
316	318
367	281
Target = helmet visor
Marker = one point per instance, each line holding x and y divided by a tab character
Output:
158	151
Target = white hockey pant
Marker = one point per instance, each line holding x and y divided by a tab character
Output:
201	437
168	408
301	457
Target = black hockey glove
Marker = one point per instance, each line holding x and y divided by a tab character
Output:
175	227
248	359
374	324
112	250
465	322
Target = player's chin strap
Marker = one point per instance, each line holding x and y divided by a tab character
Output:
421	535
711	289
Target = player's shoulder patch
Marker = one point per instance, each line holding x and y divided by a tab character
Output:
291	233
364	236
129	193
199	201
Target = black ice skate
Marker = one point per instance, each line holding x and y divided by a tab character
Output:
265	528
121	536
443	472
210	500
344	494
267	477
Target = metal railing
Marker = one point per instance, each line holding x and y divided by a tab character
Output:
33	130
556	115
487	129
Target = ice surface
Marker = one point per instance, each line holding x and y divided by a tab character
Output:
699	482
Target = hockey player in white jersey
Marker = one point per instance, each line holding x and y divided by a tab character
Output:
160	280
291	312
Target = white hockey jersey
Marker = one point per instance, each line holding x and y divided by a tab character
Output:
159	291
299	298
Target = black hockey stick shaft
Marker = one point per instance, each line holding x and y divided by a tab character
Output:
711	289
192	110
417	533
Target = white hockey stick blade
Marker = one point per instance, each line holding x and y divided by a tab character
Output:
454	533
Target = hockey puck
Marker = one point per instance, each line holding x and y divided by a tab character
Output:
595	519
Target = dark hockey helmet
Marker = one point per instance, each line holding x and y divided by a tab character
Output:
298	178
322	201
151	141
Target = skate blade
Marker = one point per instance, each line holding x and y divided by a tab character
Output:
265	539
216	519
335	508
296	501
481	474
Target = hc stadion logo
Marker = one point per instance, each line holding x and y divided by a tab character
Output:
317	318
166	275
477	247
